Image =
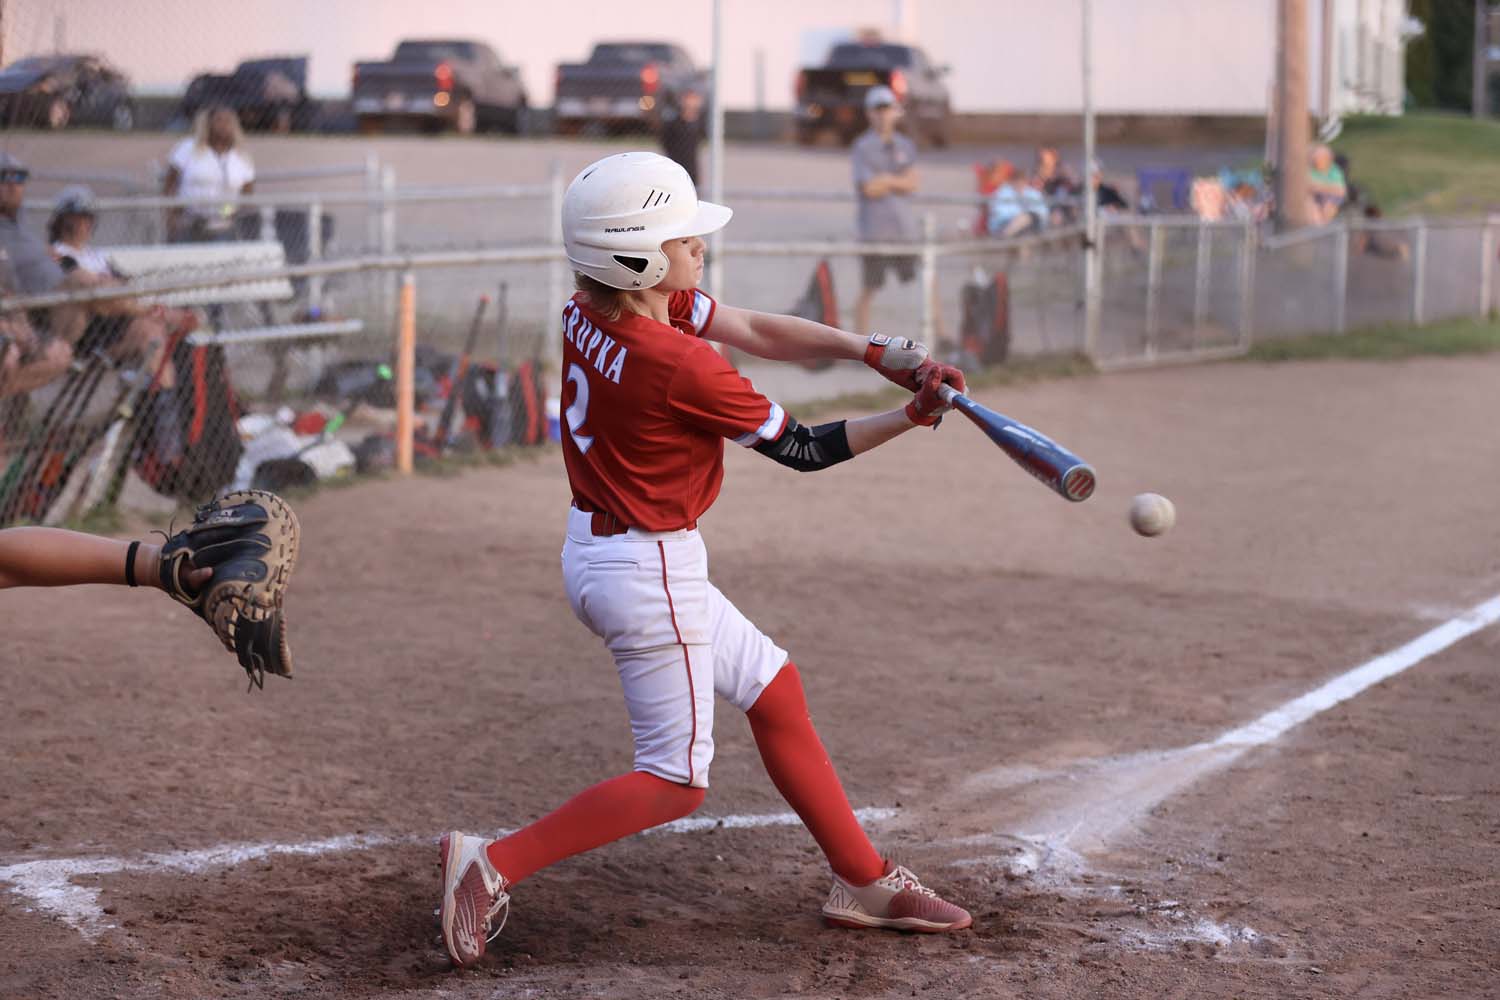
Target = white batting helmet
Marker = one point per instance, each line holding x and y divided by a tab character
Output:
617	213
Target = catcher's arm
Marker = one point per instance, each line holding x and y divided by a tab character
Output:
56	557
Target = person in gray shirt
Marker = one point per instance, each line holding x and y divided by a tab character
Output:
885	178
27	360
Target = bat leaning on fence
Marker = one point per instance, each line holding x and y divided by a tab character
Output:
42	463
1063	472
456	377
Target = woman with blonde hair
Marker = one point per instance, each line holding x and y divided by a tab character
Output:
213	166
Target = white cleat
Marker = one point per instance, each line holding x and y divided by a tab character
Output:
896	901
473	894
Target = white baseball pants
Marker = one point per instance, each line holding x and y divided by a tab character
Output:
676	640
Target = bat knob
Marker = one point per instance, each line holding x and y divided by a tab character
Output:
1078	483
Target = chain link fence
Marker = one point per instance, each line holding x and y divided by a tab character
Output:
228	332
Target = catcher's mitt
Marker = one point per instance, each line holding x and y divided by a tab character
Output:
249	539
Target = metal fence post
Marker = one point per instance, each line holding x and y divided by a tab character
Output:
1247	285
1341	280
1153	287
929	279
556	273
1201	279
1093	289
315	253
1486	269
1419	275
388	233
372	202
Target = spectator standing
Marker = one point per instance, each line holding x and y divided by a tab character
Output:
885	178
1326	186
214	166
682	132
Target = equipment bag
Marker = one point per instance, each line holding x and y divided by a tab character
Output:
984	327
189	447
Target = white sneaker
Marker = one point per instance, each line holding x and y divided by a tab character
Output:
896	900
473	893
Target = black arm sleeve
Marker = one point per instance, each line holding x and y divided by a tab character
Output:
808	449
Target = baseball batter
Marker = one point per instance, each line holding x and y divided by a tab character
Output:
648	403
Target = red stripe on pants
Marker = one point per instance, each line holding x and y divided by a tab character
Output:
686	659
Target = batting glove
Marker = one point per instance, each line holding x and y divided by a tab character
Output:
927	407
897	360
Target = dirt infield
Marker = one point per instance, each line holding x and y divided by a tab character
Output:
1021	689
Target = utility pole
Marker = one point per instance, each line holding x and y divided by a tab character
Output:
1481	59
1293	200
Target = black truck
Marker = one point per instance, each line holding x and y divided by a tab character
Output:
624	84
832	96
455	83
268	94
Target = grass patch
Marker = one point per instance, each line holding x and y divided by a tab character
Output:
1460	336
1425	163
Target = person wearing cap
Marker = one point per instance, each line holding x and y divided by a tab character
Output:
124	327
34	349
885	178
71	229
648	405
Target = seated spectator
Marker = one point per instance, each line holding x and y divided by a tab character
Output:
1107	197
1015	207
1056	182
71	230
121	327
1377	243
1209	200
1109	201
28	361
1327	186
138	329
213	166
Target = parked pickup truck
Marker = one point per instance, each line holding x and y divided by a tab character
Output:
832	96
456	84
623	83
265	93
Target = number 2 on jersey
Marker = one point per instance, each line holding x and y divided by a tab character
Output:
579	411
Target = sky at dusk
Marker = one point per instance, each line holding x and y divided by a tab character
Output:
1012	55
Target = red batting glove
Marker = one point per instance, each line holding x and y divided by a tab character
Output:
897	359
927	408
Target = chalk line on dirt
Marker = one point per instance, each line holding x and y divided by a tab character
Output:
1064	813
49	883
1086	806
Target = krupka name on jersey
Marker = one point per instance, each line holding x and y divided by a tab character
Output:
594	344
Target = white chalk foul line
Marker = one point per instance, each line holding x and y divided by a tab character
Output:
48	884
1345	686
1084	807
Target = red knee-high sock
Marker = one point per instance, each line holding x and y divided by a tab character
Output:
594	817
803	774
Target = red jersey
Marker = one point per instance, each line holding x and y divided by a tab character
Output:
646	409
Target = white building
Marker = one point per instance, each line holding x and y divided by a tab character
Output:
1157	57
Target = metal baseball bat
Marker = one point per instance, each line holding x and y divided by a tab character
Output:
1063	472
456	377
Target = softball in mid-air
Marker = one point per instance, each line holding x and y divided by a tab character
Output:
1151	514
